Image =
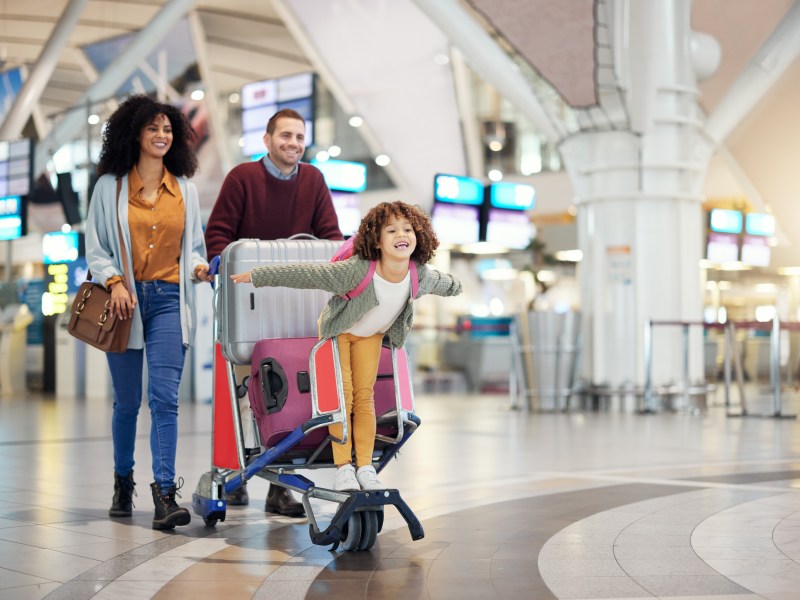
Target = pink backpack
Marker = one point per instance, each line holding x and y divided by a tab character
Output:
345	251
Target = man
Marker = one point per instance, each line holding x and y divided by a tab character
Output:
270	199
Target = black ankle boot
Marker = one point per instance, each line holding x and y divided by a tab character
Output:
280	501
168	513
124	491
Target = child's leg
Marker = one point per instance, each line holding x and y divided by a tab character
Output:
342	453
365	355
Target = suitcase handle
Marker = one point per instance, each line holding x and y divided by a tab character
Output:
274	386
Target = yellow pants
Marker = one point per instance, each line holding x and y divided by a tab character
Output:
359	357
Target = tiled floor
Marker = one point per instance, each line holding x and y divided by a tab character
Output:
515	506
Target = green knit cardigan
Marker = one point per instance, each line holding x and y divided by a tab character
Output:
341	277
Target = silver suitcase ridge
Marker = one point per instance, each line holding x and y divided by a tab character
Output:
248	314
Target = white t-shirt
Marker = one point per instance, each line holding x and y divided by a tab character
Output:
392	298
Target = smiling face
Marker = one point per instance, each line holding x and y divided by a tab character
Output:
155	138
398	239
286	144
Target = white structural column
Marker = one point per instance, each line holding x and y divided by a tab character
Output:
112	77
638	193
28	96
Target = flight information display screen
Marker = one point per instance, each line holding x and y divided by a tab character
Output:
457	189
456	224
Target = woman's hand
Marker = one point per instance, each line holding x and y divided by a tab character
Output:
241	278
122	302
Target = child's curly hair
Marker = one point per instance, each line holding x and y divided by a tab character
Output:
121	138
368	237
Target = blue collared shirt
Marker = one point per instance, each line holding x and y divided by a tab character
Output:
275	171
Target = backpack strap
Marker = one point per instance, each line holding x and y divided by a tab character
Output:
414	279
364	282
412	267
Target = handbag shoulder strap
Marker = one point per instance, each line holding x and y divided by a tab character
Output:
122	241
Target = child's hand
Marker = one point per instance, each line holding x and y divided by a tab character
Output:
241	278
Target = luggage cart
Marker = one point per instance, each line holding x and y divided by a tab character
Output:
359	516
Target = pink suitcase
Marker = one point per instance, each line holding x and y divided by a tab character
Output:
280	396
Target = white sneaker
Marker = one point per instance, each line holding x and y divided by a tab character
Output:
368	479
345	479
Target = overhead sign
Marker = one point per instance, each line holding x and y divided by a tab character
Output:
723	220
760	224
512	196
457	189
343	175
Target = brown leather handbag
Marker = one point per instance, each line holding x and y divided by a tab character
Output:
91	320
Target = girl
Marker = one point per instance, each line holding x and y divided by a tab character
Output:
147	147
393	234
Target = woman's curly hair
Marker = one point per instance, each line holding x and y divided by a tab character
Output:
121	147
367	242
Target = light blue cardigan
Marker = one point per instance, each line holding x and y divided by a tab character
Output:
103	248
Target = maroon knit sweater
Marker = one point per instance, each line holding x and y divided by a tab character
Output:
254	204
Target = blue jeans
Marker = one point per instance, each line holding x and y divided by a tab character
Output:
159	305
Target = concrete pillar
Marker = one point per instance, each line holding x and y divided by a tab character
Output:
638	194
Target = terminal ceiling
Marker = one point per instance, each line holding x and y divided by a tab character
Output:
373	51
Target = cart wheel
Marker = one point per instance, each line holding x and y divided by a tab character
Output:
351	533
369	529
210	521
379	514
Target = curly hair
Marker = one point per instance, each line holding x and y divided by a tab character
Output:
367	241
121	148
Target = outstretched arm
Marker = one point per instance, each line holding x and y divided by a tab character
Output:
337	278
439	284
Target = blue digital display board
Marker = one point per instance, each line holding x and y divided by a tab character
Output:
10	217
759	224
343	175
723	220
60	247
456	189
512	196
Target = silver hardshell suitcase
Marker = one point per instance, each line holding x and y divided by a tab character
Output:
250	314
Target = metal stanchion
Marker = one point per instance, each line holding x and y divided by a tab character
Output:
686	398
774	371
775	365
648	407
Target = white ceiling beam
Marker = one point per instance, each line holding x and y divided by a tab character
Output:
35	83
112	77
337	91
490	61
770	62
216	116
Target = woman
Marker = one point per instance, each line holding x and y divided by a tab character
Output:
147	146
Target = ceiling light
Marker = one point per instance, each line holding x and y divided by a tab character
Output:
495	174
500	275
334	151
546	276
569	255
322	156
233	98
356	121
382	160
198	95
93	119
495	145
483	248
